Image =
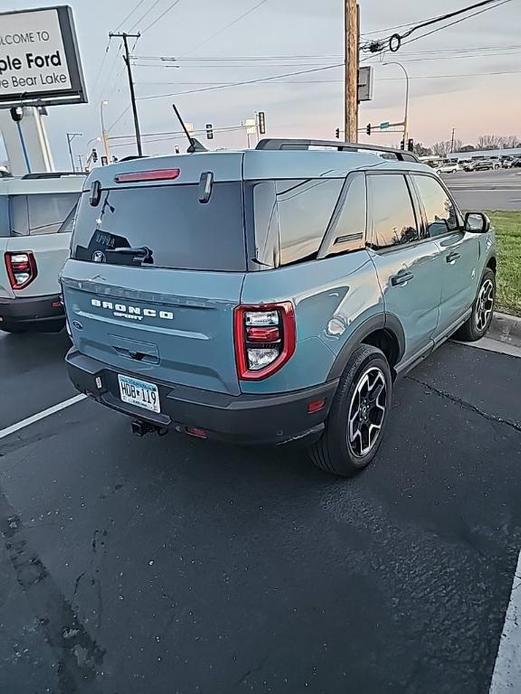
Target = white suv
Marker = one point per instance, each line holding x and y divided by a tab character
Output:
34	244
448	167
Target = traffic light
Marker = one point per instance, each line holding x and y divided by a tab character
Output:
261	120
209	131
94	155
402	144
368	129
410	144
337	133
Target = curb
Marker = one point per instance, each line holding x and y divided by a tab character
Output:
505	328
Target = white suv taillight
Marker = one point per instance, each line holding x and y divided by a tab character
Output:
264	339
21	268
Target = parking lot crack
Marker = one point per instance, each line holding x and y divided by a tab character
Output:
467	405
79	656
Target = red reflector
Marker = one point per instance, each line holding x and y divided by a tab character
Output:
262	334
316	406
198	433
156	175
56	304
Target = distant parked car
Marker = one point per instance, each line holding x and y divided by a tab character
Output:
516	163
36	214
486	165
467	165
506	163
448	167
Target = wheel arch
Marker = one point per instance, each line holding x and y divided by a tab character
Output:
382	331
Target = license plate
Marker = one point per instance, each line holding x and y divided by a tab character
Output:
139	393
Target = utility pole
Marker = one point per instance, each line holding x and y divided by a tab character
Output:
70	138
81	162
352	38
452	141
126	58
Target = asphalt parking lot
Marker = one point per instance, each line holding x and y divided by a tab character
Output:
490	190
173	565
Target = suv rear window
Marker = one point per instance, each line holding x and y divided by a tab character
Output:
41	213
180	231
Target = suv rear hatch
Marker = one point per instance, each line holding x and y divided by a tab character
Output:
157	269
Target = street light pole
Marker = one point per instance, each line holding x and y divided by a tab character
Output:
70	138
104	131
406	112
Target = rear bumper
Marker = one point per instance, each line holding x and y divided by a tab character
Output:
242	419
34	310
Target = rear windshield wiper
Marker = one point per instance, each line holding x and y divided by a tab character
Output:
142	252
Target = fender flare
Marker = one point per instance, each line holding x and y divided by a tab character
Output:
380	321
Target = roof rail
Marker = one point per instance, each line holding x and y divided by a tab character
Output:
51	174
284	144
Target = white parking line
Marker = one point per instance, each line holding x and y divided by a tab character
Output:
41	415
506	678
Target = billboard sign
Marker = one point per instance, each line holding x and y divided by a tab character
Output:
39	58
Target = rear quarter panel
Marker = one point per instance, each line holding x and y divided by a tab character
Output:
332	298
5	288
50	251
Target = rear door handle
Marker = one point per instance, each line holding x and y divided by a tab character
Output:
452	257
401	279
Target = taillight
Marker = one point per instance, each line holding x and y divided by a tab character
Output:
21	268
264	339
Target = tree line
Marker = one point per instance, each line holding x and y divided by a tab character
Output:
484	142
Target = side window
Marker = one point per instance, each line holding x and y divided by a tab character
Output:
305	209
349	229
19	214
48	211
394	220
441	213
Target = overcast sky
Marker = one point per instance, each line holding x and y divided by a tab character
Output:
295	35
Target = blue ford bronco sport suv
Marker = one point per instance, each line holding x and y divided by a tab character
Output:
270	295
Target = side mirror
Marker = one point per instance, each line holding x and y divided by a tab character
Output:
477	222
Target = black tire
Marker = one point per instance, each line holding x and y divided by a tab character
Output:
334	452
475	327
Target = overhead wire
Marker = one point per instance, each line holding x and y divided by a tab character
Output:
380	45
145	14
457	21
242	83
163	14
129	15
227	26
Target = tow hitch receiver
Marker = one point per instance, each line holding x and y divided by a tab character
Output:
141	428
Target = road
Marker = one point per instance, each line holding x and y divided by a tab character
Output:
489	190
171	565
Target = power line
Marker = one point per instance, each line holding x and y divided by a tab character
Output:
147	12
395	41
244	82
99	73
445	26
165	12
129	15
230	24
396	26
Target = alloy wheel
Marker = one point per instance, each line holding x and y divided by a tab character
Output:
485	304
367	411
